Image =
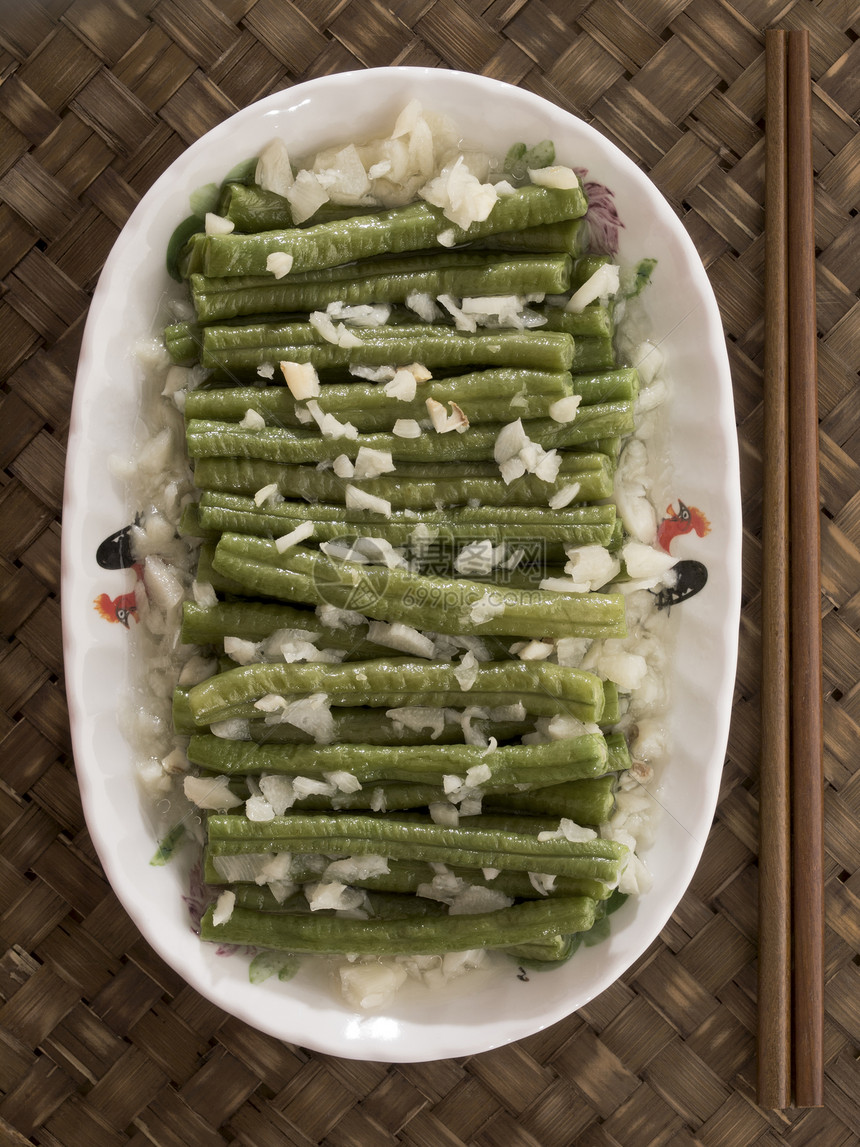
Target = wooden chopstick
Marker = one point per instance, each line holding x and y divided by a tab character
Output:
774	907
807	781
791	873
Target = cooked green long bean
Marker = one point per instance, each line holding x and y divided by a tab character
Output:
251	208
594	878
382	280
508	765
590	474
239	351
484	396
404	838
522	923
416	599
547	530
207	439
541	687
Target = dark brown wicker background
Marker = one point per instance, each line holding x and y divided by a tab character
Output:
100	1043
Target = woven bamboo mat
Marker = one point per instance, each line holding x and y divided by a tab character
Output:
100	1043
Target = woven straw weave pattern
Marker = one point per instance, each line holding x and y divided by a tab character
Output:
101	1044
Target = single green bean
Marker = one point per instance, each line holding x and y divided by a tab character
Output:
402	837
542	688
414	227
295	446
405	876
520	924
508	765
368	406
594	321
252	209
577	802
443	605
238	352
383	280
439	531
585	801
591	474
570	235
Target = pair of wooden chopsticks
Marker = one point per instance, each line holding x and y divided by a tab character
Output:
791	892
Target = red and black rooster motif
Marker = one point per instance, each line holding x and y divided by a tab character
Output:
690	576
684	520
114	553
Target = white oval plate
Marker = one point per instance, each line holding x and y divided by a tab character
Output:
474	1015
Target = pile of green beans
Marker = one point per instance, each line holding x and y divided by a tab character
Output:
403	735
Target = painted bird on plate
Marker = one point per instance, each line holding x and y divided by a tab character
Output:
684	520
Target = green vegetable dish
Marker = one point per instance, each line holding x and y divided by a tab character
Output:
420	690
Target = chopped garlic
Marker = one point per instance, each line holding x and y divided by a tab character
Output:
542	882
475	559
306	196
287	541
565	409
535	650
370	463
644	561
467	671
372	985
358	499
211	793
344	466
626	669
217	224
461	195
488	606
274	171
224	907
555	176
332	894
547	466
253	420
603	283
444	813
338	334
331	427
406	428
335	618
402	637
592	564
564	585
240	650
360	314
402	386
444	423
564	496
204	593
478	775
279	263
302	380
343	781
462	321
569	830
352	868
423	303
418	718
268	493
